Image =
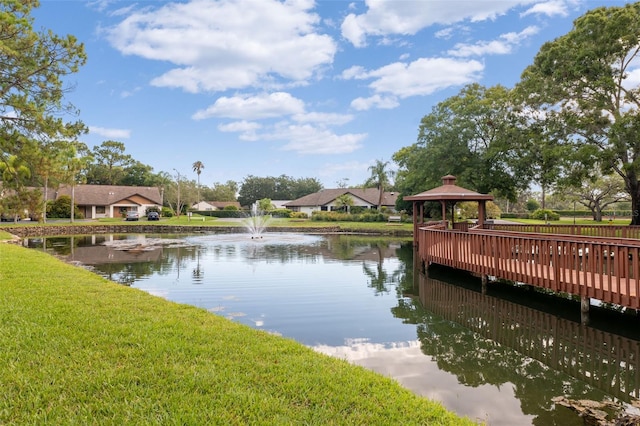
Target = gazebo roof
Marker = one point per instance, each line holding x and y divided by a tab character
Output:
449	191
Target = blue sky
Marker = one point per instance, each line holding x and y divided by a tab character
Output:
308	89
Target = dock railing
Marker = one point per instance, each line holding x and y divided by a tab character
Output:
603	267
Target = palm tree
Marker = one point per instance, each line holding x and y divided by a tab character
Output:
379	178
344	202
197	167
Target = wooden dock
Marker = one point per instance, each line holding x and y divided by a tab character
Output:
603	264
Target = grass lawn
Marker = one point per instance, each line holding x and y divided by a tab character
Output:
578	221
79	349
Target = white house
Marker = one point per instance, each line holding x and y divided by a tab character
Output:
214	205
325	200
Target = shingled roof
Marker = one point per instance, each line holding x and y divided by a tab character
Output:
326	196
449	191
104	195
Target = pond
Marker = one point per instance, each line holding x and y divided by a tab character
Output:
500	357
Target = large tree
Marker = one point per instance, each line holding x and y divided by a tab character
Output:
32	80
586	80
598	194
110	163
221	191
470	136
283	187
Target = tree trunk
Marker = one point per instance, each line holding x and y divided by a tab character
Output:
73	201
597	214
635	206
633	187
44	201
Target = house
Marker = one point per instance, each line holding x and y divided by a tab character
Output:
325	200
214	205
98	201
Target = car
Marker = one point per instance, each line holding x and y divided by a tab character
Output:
132	215
153	216
8	218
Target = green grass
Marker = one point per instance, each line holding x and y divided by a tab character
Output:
578	221
78	349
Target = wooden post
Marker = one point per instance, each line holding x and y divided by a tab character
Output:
484	280
415	223
584	310
481	213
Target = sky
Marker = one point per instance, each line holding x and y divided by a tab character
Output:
308	89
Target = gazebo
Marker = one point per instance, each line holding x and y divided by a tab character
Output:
448	192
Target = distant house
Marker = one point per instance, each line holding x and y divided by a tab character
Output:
98	201
325	200
214	205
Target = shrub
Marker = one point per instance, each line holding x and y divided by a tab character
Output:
61	209
281	213
545	214
299	215
231	207
166	212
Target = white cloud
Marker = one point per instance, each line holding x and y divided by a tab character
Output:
375	101
323	118
110	133
128	93
386	17
504	45
307	139
418	78
548	8
247	129
218	45
356	72
253	107
311	137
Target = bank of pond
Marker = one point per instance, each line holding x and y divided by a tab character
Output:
510	356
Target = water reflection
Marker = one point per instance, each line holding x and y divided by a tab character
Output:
500	357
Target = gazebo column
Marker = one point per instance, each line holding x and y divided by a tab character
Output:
481	212
415	222
443	203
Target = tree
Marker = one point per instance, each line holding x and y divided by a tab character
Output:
265	205
303	186
34	65
197	167
469	136
379	179
583	79
344	202
73	163
221	191
138	174
13	171
275	188
110	163
598	194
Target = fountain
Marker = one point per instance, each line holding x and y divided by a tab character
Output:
256	222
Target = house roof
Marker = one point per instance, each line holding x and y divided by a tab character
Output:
448	191
326	196
104	195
